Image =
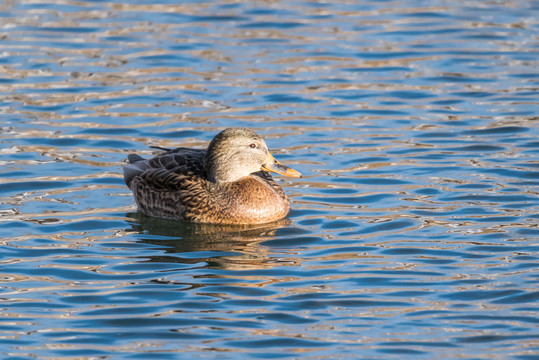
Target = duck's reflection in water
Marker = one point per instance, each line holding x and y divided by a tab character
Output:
231	247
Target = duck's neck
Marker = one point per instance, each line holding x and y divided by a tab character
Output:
218	173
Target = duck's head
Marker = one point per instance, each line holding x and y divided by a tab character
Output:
237	152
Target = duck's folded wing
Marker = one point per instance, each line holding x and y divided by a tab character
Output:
168	179
182	161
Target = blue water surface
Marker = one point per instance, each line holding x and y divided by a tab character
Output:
413	233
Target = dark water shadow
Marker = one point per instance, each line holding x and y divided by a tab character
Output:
234	247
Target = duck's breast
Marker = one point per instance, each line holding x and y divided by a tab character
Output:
251	200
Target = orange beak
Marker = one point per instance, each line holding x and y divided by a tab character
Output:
273	165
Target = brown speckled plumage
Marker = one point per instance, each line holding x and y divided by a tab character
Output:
176	184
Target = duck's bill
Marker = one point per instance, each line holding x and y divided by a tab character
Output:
273	165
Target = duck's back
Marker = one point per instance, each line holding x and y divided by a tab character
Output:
174	185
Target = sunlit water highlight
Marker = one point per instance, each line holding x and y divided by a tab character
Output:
413	233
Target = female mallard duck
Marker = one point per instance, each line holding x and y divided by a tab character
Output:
228	183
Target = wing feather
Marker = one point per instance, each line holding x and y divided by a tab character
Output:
175	169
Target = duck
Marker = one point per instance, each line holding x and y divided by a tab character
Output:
227	183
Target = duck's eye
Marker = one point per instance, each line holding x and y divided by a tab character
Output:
252	146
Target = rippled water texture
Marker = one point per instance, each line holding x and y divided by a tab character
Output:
413	233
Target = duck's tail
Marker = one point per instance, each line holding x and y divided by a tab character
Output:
133	158
137	165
